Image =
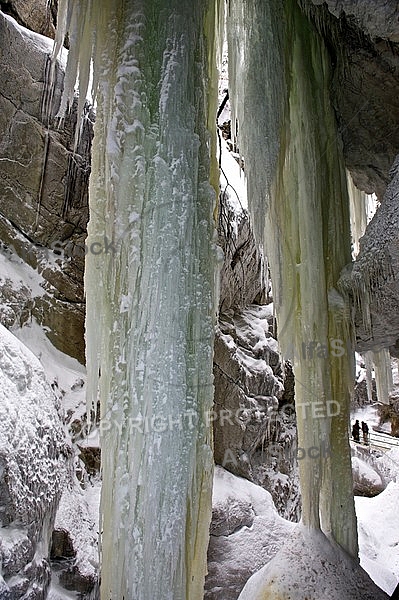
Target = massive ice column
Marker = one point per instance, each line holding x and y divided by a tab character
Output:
279	73
150	283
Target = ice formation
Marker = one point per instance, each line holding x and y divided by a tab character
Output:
362	206
358	207
151	270
150	283
288	138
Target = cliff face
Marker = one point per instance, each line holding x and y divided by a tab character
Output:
43	198
377	19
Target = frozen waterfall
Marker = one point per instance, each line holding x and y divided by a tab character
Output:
150	283
151	273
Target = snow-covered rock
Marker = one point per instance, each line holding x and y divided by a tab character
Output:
246	532
75	524
311	566
254	426
366	480
33	457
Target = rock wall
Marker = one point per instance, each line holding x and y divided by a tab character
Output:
378	19
37	15
44	185
253	416
362	38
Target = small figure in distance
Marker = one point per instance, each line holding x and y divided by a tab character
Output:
365	430
356	431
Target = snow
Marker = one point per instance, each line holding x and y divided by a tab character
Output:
226	486
75	515
28	413
66	373
365	472
19	274
377	524
40	42
310	565
79	510
232	179
378	528
247	533
57	592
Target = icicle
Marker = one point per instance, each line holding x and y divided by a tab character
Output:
150	292
358	206
383	374
368	360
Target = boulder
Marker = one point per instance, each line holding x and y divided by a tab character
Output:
33	462
366	480
246	532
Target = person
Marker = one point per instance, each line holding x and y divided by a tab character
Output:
356	431
365	430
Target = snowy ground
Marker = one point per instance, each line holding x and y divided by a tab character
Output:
378	528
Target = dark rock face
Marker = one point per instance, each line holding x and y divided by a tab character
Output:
364	83
61	545
242	279
44	186
360	395
378	19
254	437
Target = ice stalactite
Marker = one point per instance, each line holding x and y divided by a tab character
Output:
288	137
380	361
358	205
150	283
